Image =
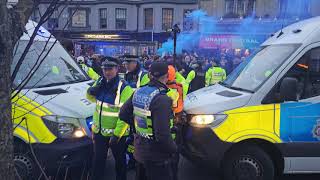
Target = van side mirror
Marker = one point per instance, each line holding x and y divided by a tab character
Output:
289	89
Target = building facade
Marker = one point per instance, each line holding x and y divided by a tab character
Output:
245	24
262	8
112	27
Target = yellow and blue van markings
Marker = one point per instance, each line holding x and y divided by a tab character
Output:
300	122
25	109
276	123
250	122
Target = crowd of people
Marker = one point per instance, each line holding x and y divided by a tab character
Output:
139	103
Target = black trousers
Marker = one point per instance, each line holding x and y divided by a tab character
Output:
101	146
154	170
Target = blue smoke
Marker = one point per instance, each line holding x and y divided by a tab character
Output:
186	40
252	30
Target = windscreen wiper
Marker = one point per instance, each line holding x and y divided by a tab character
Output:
240	89
53	84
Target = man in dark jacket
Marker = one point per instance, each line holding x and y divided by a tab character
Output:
196	77
149	109
136	76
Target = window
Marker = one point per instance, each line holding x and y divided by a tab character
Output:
148	18
103	18
187	21
241	7
254	71
294	8
121	18
36	15
79	18
46	75
167	18
251	6
230	6
235	8
307	72
53	21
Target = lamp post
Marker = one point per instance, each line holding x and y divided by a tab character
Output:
176	30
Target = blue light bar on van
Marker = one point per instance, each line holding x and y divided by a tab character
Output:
89	121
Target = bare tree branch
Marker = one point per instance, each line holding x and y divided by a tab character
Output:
23	84
28	77
48	12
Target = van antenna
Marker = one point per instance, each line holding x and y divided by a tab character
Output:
282	25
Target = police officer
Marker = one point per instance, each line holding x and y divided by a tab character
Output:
215	75
150	107
196	77
136	76
109	93
89	71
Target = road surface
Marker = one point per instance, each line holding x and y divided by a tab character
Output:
188	171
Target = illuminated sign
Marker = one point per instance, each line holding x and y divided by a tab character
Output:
227	41
101	36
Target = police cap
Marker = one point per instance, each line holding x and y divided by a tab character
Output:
130	58
158	69
109	63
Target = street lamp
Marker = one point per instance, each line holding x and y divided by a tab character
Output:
176	30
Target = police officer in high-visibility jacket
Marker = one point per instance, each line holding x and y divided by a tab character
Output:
215	75
136	76
150	107
90	72
109	131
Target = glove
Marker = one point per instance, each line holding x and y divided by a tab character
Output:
93	91
114	140
174	129
129	140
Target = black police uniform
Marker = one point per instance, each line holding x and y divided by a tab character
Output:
154	155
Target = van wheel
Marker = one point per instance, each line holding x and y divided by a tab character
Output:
24	164
248	163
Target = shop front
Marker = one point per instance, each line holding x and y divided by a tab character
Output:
86	44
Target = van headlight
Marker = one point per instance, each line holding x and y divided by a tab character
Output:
64	127
207	120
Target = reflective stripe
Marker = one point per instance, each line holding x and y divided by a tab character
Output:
138	81
107	105
117	100
109	114
142	111
111	131
117	103
145	135
107	131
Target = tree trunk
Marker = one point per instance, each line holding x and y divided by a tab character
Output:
12	22
6	137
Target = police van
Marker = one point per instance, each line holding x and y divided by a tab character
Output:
264	119
51	112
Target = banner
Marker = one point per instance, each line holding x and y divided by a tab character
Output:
228	41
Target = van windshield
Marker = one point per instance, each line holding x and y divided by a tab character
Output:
57	68
255	70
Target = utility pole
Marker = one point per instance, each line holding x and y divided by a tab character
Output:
176	30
